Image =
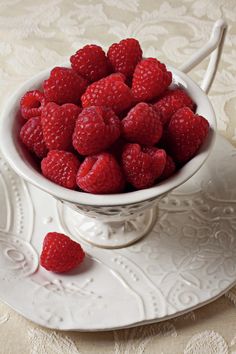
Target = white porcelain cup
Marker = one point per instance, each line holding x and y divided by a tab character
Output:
115	220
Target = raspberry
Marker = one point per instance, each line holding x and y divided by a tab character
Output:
31	135
91	63
142	166
142	125
117	77
111	92
170	102
150	79
100	174
64	86
61	167
125	55
169	168
60	254
185	134
58	124
96	129
31	104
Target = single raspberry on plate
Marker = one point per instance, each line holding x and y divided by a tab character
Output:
31	135
142	125
61	167
64	86
31	104
58	124
150	79
169	169
142	166
60	254
100	174
125	55
91	63
170	102
185	134
96	129
111	92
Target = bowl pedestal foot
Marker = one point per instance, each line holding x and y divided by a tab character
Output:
109	232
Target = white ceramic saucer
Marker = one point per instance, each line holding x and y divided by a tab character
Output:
188	259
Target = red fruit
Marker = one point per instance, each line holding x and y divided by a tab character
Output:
90	62
100	174
142	125
150	79
111	92
61	167
116	77
58	124
185	134
96	129
169	169
142	166
31	104
64	86
125	55
170	102
60	254
32	136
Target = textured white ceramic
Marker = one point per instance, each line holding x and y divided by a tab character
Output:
21	161
187	260
112	210
114	221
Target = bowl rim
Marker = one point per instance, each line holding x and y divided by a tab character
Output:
32	176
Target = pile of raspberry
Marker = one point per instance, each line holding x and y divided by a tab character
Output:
111	123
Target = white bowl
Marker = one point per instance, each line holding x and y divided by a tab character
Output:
112	209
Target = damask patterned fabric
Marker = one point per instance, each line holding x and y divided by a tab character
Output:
38	35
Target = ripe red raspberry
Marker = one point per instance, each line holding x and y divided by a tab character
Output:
170	102
111	92
100	174
58	124
96	129
185	134
150	79
31	135
64	86
116	77
142	166
142	125
125	55
31	104
91	63
169	169
61	167
60	254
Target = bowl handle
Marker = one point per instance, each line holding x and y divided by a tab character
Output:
214	46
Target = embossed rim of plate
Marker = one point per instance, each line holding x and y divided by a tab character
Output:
10	147
128	325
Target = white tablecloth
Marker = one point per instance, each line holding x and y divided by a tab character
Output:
37	34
